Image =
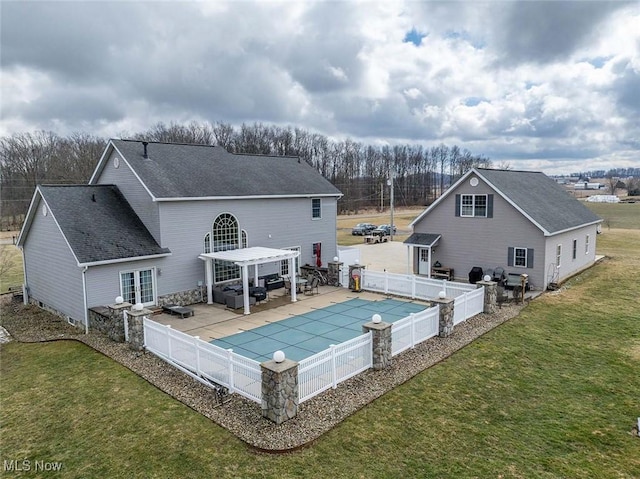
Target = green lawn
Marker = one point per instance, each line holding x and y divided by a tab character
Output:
617	215
553	393
10	267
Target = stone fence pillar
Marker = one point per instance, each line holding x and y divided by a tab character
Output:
381	343
115	327
279	390
135	328
333	273
490	295
445	324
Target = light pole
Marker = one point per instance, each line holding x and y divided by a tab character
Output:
390	183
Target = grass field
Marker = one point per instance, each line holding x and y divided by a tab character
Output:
552	393
10	267
617	215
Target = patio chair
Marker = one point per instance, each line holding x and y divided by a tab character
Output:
501	296
498	274
310	286
287	286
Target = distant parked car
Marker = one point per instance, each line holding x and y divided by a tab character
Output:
383	230
362	229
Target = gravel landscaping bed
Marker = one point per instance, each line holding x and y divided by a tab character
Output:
241	417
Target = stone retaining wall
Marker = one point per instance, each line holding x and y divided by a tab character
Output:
109	320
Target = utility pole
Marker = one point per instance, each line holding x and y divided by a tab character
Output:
391	174
382	197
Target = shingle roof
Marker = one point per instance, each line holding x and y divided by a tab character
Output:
197	171
541	198
424	239
99	223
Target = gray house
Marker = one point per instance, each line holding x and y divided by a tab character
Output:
151	210
521	221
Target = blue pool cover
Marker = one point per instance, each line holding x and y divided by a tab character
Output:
306	334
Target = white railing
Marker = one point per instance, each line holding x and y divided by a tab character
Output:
411	286
202	360
326	369
414	329
467	305
332	366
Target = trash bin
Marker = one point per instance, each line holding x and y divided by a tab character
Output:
355	278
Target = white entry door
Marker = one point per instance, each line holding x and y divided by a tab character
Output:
423	261
138	286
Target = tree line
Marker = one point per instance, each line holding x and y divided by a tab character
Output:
361	171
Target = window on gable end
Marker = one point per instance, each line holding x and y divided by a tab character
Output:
474	205
316	208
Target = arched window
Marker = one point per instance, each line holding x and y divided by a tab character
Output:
225	237
207	243
245	242
225	233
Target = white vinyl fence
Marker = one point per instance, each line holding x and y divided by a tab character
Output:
411	286
414	329
201	360
334	365
326	369
467	305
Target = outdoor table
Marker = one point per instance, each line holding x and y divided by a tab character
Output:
300	282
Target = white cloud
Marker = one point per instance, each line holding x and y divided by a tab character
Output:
486	76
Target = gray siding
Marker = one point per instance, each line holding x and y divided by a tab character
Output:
52	274
134	192
103	282
468	242
271	223
568	265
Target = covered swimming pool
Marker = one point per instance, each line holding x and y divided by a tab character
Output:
304	335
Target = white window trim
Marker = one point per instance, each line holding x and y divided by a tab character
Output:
296	260
154	282
586	244
558	256
225	266
515	256
320	209
204	243
473	206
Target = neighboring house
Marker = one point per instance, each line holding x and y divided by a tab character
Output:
521	221
151	209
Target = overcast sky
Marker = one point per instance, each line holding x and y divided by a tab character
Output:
544	85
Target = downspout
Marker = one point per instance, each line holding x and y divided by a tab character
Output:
84	297
25	284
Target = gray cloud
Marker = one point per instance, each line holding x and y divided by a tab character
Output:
545	31
338	68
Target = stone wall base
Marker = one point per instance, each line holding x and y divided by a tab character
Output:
184	298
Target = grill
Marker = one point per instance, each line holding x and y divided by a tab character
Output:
475	274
